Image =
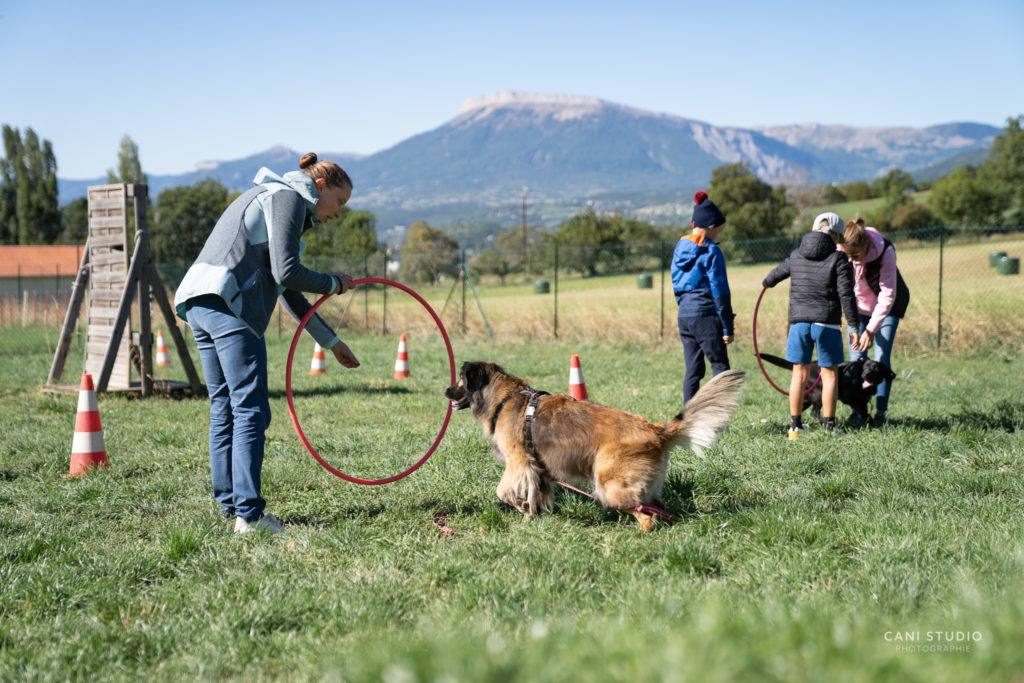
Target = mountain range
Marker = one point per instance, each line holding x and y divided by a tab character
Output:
566	152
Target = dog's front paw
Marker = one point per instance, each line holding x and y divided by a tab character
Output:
510	496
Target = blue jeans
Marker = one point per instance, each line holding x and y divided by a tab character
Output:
235	367
885	335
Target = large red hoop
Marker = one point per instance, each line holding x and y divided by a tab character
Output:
291	404
757	354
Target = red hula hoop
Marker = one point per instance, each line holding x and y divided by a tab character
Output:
757	354
291	404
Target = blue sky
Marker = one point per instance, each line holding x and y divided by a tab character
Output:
216	80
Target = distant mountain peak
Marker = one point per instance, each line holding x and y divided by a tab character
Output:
514	99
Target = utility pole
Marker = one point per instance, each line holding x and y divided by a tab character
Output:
526	274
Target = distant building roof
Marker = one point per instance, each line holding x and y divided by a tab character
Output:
39	261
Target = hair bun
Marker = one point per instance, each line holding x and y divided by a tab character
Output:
307	160
699	197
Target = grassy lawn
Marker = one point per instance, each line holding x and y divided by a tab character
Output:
822	559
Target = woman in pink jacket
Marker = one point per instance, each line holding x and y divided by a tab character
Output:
882	298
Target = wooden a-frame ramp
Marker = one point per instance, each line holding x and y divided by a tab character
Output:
113	281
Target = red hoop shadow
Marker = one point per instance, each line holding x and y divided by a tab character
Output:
291	403
753	332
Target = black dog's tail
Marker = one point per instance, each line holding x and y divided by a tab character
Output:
775	360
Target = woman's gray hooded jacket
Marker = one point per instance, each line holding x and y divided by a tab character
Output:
251	258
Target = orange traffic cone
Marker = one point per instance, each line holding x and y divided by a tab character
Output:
319	365
87	449
577	387
402	361
162	356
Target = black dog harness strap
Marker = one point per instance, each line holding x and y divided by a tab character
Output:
531	409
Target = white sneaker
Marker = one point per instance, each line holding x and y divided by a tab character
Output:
268	523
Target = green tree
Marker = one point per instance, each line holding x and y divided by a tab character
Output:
960	198
353	235
580	238
490	261
752	208
509	244
184	217
9	185
912	215
36	185
893	183
856	191
75	221
129	168
1003	174
428	254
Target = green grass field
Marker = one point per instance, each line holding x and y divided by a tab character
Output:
850	559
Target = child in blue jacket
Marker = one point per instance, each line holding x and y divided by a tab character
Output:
702	292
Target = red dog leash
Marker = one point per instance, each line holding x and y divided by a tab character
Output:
643	507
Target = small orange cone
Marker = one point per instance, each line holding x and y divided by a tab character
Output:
319	365
577	387
87	449
162	356
402	361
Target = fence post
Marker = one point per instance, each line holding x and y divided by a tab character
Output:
366	290
465	276
662	263
556	291
938	333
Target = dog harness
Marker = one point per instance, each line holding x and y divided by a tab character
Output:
531	409
531	449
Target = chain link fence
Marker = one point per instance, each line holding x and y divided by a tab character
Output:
967	295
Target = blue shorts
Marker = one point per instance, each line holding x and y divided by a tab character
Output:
803	337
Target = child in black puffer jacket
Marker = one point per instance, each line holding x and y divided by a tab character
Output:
820	296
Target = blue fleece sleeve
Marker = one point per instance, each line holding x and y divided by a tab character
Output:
720	289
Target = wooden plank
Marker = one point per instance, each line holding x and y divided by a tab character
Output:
105	203
113	239
101	222
103	259
98	331
101	276
104	190
98	295
141	251
70	319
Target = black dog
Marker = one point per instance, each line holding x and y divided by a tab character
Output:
857	379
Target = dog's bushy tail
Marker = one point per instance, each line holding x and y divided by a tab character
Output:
707	414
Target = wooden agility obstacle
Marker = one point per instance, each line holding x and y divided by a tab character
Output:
113	281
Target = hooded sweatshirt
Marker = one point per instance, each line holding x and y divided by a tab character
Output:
699	281
822	288
252	256
878	304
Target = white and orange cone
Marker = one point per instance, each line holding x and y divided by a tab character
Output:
402	361
87	449
163	357
577	387
319	364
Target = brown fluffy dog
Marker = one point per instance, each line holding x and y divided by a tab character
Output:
621	455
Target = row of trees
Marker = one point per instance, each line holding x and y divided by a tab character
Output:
182	217
991	193
29	212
